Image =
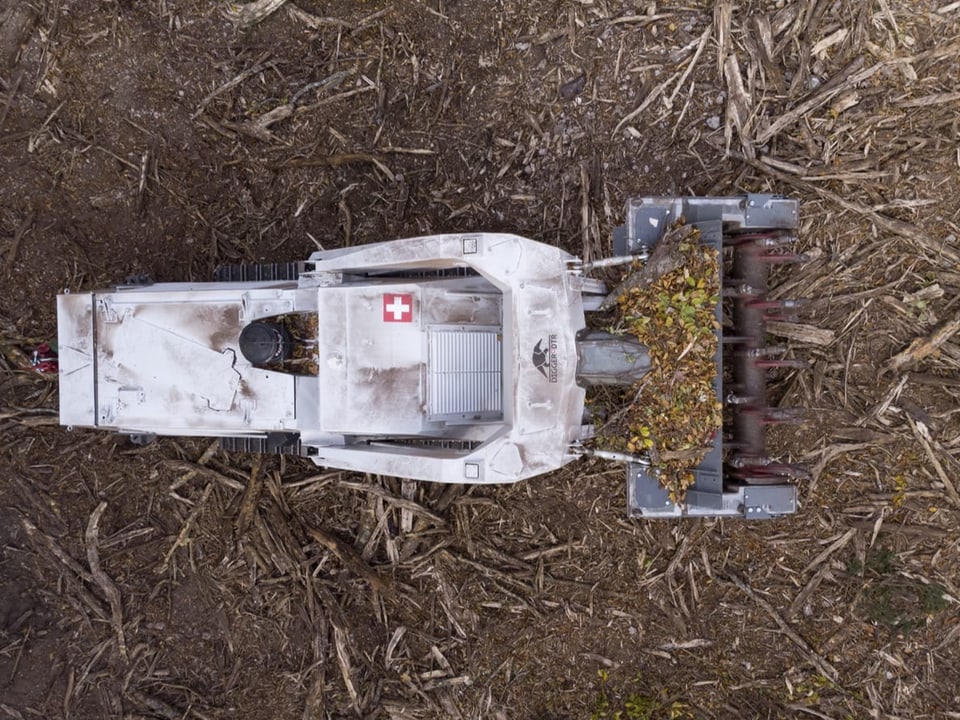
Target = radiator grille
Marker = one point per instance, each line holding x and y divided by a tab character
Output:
464	377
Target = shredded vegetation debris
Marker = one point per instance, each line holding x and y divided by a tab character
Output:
674	413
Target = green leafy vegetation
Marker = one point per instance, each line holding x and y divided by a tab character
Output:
892	599
635	706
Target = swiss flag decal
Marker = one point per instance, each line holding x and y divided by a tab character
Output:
397	308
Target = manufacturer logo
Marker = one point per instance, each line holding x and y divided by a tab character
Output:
545	358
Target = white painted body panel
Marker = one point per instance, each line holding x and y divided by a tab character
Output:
165	359
377	367
168	363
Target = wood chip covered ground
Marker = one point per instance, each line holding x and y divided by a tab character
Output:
166	137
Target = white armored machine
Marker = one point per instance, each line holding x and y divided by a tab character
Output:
456	358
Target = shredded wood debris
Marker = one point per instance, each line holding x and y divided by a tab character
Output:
675	413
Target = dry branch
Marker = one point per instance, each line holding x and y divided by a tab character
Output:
202	461
838	544
196	469
926	531
844	79
104	581
251	496
17	238
259	65
316	22
408	490
339	159
722	17
813	657
40	503
891	225
647	102
259	127
799	332
343	659
156	706
878	410
922	434
586	213
350	558
10	95
690	540
251	13
928	100
400	502
704	38
331	81
811	587
924	346
739	112
933	380
638	20
40	539
183	537
315	703
567	547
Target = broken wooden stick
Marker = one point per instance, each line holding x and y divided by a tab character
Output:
251	497
665	258
924	346
817	660
350	558
104	581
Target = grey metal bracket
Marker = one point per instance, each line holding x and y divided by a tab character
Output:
646	498
649	217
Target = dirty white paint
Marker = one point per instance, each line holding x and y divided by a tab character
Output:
488	358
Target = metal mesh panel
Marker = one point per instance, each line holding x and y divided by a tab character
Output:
464	377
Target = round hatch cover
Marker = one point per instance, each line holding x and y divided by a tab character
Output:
263	343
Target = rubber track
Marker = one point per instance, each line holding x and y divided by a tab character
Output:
258	272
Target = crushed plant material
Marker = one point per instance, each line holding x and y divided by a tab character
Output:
674	412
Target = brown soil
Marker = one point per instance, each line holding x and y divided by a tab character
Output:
166	137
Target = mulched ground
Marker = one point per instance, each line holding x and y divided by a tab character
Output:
176	581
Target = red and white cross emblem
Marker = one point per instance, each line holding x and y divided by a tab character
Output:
397	308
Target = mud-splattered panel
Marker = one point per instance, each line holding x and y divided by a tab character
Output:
171	363
371	360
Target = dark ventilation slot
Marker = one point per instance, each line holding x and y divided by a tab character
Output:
425	274
433	443
258	272
272	444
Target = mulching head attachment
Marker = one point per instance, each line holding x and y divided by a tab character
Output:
737	477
